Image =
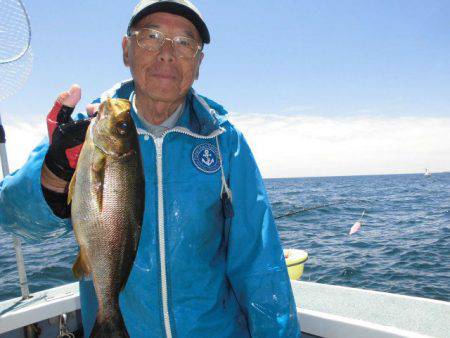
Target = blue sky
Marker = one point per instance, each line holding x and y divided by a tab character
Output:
335	62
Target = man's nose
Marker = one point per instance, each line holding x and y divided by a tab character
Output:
167	52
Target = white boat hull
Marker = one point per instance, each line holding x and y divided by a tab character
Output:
324	311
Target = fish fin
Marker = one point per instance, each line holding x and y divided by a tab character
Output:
81	267
98	177
114	326
71	189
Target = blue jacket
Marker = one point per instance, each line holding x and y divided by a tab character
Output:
198	271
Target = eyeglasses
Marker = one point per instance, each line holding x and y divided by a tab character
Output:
153	40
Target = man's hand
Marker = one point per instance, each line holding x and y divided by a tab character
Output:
66	138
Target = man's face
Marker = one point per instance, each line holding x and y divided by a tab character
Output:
161	75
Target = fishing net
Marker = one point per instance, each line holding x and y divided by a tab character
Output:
16	57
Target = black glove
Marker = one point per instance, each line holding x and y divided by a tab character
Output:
66	138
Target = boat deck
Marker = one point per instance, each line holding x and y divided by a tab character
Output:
360	311
324	311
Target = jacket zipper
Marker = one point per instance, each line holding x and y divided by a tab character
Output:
161	232
161	227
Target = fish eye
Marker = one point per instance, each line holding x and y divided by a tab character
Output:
122	128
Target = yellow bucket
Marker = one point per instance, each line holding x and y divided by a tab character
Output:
295	260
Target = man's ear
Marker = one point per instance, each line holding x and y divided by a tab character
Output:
200	59
125	50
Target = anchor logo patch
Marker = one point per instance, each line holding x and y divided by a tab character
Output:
206	158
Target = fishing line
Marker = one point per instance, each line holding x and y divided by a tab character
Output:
362	215
326	205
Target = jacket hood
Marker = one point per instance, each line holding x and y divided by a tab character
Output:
200	115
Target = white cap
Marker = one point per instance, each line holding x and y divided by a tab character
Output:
182	8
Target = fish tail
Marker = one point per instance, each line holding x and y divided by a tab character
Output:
113	326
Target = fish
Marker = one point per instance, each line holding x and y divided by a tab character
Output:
106	194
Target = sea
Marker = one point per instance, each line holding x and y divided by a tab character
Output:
402	247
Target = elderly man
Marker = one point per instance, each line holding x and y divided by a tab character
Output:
209	262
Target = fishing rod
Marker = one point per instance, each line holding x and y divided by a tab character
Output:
320	206
355	228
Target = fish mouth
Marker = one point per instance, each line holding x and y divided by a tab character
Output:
127	154
113	154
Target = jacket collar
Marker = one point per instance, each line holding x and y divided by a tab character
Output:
200	115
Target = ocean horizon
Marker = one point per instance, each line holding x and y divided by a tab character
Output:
358	175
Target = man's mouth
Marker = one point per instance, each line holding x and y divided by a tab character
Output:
164	76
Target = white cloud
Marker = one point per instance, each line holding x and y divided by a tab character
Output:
298	109
296	146
22	136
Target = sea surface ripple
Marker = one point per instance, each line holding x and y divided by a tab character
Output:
403	246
